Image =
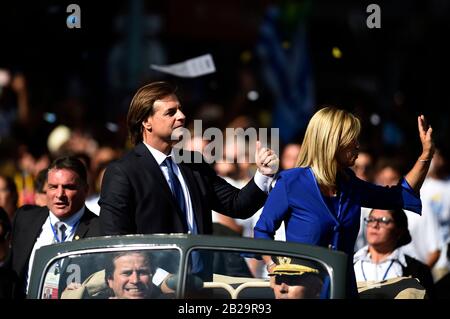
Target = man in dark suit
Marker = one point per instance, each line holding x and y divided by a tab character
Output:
64	219
6	275
152	190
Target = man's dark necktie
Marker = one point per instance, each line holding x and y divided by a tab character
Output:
60	237
60	231
176	188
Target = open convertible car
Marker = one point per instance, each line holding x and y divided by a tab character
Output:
178	266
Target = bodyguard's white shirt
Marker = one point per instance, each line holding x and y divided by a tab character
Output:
47	237
262	181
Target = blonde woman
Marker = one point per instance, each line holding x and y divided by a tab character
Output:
320	200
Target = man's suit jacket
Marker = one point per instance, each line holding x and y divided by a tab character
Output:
27	227
136	198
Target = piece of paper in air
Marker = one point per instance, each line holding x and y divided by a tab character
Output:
191	68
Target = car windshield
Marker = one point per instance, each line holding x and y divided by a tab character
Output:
164	273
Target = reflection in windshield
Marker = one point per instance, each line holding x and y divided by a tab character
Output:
243	275
110	275
129	275
294	279
209	274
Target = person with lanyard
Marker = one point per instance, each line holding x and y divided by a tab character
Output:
64	219
382	259
156	188
320	200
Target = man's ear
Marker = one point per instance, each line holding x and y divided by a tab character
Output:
147	125
109	281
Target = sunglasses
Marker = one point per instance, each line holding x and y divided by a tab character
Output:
384	221
290	280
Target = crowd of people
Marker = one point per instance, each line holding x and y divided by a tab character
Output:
322	191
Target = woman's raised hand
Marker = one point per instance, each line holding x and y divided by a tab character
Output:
425	134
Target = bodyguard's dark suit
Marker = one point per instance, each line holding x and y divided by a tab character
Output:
135	196
27	227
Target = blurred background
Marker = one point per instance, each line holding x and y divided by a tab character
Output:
276	63
67	91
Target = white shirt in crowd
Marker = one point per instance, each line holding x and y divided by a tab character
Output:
367	270
435	193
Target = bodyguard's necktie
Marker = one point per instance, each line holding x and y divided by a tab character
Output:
175	186
60	231
60	234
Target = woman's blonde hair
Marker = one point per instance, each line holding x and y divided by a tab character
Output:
328	131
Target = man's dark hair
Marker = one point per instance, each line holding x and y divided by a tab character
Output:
141	106
40	180
71	163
